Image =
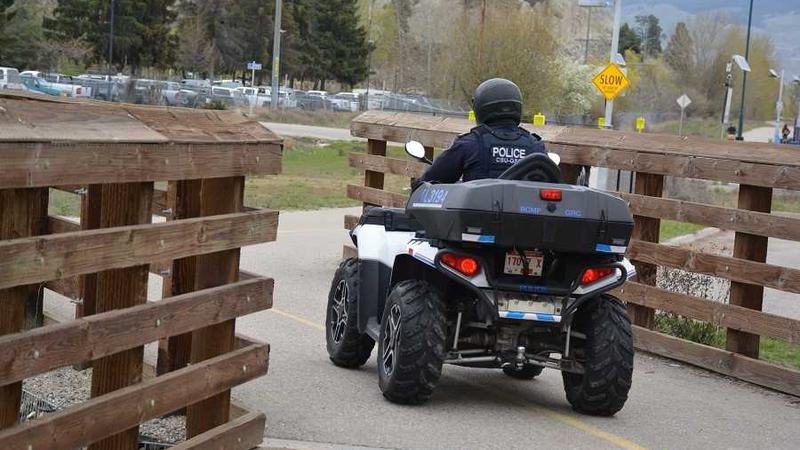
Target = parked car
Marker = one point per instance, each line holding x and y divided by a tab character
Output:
345	101
199	86
230	84
9	79
39	85
231	98
174	94
256	96
308	102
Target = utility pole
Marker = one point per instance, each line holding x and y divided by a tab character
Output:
744	77
480	33
588	33
276	55
613	56
110	45
778	110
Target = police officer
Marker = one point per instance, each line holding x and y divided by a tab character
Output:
497	143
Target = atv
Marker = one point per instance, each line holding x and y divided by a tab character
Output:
510	273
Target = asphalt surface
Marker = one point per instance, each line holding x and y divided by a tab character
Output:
294	130
312	404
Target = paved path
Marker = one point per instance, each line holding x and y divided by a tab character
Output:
312	404
760	134
293	130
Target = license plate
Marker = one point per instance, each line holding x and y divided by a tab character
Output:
515	266
527	303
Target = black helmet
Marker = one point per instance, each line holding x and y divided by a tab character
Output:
497	100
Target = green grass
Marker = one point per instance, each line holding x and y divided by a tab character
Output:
315	176
315	118
709	128
671	229
772	350
64	204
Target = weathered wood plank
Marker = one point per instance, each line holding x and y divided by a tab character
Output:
720	361
23	355
753	222
717	313
376	197
217	196
57	224
23	212
377	163
43	164
350	221
734	269
57	256
102	416
243	433
750	293
440	132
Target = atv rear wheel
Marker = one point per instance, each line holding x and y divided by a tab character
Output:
346	346
411	345
528	372
607	358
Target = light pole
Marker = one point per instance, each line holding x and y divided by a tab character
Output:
778	105
744	78
613	56
110	45
589	4
742	63
276	55
796	134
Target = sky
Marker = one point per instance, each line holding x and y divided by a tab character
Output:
780	19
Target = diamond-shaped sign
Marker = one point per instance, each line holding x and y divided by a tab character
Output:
611	81
684	101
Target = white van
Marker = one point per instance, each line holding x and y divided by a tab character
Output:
9	79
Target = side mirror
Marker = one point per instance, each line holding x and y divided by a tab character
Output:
415	150
555	158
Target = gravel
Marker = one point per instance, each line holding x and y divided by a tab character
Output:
66	387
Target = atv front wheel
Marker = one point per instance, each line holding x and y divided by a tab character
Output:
607	359
528	372
411	347
346	346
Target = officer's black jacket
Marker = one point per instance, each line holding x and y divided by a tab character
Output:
485	152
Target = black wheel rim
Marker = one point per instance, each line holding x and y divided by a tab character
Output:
338	320
391	340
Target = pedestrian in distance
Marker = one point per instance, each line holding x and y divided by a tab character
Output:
785	134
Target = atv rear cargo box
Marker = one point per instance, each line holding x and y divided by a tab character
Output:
523	214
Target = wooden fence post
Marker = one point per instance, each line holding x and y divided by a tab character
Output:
121	204
375	179
217	196
184	199
23	212
754	248
646	229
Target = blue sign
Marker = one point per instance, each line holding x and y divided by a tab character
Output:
253	66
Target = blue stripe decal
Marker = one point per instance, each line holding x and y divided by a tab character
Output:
486	239
546	317
515	315
532	288
605	248
424	259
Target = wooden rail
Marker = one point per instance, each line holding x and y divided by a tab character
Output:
103	260
757	168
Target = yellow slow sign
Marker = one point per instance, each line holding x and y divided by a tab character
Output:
611	81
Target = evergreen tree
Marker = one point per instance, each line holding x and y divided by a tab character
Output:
629	40
649	31
21	34
142	34
342	41
679	53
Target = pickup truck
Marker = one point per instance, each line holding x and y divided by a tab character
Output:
9	79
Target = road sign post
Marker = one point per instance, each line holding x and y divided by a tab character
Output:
538	119
683	102
253	66
640	124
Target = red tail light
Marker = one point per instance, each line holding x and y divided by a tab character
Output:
551	195
466	265
592	275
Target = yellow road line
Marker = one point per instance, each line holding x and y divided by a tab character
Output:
566	419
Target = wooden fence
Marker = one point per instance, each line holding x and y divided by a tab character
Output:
756	168
112	155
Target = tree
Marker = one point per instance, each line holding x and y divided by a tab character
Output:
629	39
21	34
142	30
650	34
342	41
679	53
